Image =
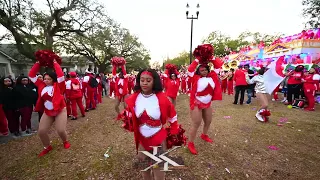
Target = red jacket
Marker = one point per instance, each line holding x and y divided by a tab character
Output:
295	78
58	88
73	89
85	84
311	82
240	77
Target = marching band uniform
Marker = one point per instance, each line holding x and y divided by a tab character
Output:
88	91
99	89
74	94
309	88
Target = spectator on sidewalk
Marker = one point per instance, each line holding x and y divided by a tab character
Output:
9	105
24	92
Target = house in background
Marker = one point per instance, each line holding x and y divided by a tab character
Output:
5	64
13	63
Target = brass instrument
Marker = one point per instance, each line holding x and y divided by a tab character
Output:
226	67
234	64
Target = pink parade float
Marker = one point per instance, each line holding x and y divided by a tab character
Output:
301	48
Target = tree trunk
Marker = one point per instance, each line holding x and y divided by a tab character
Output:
102	68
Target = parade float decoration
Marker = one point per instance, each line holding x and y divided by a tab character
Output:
299	49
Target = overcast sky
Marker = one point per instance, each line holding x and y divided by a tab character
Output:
162	27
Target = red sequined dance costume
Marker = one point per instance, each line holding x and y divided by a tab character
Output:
149	114
204	89
310	86
184	83
52	99
121	84
171	86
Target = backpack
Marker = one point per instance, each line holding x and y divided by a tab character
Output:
93	82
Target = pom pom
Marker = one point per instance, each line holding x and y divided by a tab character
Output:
176	140
171	67
118	61
127	121
204	53
46	58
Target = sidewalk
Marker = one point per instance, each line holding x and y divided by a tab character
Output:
34	125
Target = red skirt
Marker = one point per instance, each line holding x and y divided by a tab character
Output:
199	104
155	140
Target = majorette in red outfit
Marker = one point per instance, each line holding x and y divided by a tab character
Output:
131	80
171	82
51	99
88	90
310	87
184	77
74	95
99	89
147	113
205	88
121	82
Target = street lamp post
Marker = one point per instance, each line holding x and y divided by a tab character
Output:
192	18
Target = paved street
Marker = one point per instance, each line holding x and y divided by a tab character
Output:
34	125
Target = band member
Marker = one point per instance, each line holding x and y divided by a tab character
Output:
224	81
205	88
74	95
112	86
172	82
52	101
184	83
130	83
121	87
230	81
150	111
311	80
99	88
89	86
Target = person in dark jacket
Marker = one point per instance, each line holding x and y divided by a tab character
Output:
9	105
250	87
26	95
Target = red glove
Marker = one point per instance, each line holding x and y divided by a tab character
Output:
174	128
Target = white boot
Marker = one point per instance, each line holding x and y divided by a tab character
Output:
259	117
